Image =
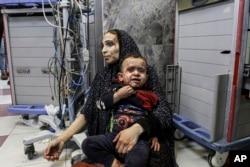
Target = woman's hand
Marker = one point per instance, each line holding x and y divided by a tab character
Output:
155	145
127	138
54	150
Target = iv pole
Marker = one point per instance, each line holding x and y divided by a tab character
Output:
69	90
65	5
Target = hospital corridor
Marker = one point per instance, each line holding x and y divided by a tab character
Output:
60	58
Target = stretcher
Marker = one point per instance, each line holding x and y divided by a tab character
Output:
28	109
221	148
25	3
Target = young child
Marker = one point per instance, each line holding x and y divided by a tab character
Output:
131	102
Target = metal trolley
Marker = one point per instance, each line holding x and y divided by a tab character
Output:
210	90
221	148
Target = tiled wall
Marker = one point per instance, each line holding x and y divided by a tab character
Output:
150	23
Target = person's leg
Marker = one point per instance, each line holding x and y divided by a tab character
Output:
139	155
2	62
2	67
100	148
6	64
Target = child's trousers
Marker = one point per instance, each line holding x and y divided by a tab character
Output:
101	149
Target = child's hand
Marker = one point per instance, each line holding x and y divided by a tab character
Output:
155	145
125	92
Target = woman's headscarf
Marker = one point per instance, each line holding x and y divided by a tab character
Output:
98	121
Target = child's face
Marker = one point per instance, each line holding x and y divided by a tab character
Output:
110	48
133	72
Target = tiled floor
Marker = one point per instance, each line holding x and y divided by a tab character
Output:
13	130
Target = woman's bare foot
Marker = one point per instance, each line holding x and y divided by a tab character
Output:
117	163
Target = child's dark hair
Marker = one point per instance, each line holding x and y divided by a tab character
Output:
133	55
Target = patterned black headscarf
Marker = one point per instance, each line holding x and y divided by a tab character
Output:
98	121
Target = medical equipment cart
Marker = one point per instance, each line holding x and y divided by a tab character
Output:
211	96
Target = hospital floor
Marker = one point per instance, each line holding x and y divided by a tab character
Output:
13	130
